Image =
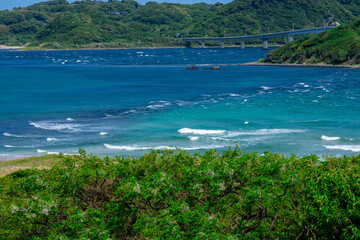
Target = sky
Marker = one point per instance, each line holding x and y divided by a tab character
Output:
10	4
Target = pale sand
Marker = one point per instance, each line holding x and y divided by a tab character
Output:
10	47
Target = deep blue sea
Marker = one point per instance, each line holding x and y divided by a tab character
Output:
129	102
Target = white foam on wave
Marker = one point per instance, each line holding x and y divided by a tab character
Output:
200	131
134	148
49	139
56	126
103	133
266	88
246	123
70	119
264	132
163	148
234	95
352	148
12	135
184	103
225	133
326	138
40	151
202	147
158	104
126	148
220	139
57	153
192	138
9	146
110	116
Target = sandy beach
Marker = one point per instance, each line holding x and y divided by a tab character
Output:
4	47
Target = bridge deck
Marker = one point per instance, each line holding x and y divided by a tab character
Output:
260	36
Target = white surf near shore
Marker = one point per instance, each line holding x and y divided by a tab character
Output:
43	151
352	148
134	147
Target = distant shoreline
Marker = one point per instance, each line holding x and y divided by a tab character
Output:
299	65
132	48
4	47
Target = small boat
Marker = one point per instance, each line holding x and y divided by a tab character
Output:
193	68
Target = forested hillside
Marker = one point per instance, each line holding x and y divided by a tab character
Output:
126	23
336	46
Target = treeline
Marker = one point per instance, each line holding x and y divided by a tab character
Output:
58	24
340	45
175	195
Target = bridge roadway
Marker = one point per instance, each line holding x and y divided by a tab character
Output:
264	37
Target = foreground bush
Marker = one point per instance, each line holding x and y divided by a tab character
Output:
176	195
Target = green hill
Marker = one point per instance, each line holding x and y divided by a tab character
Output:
340	45
126	23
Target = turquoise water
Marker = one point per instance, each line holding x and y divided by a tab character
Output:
128	102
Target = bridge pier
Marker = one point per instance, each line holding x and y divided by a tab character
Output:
290	38
265	44
202	44
242	45
222	44
188	44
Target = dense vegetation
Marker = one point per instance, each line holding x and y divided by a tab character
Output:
337	46
175	195
126	23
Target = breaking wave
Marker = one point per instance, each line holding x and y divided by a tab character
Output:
56	126
51	139
326	138
263	132
200	131
134	148
352	148
9	146
12	135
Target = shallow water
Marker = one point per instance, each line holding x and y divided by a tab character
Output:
128	102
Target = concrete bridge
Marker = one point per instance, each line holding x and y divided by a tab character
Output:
264	37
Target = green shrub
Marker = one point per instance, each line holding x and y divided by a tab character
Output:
175	195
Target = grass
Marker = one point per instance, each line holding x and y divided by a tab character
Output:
42	162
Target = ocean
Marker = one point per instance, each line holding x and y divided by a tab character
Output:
130	102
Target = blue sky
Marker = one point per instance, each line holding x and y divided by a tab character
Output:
10	4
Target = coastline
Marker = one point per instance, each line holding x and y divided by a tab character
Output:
135	48
4	47
299	65
40	162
